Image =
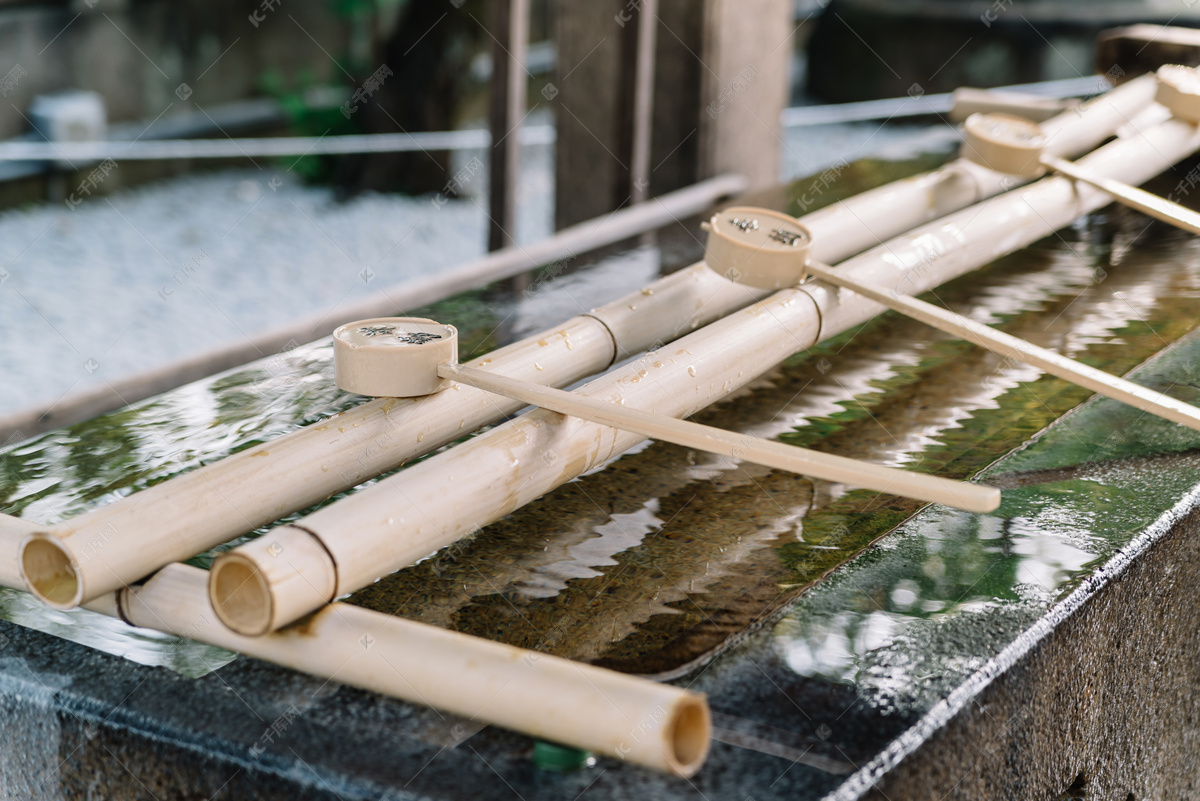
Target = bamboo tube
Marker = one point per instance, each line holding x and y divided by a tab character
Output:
297	568
637	720
1011	347
777	455
212	504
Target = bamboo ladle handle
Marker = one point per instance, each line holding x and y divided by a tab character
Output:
958	494
1146	202
748	238
1011	347
1015	145
405	357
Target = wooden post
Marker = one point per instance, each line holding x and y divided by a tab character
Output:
746	78
506	109
642	41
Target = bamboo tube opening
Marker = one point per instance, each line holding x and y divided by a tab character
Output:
690	735
240	595
272	581
50	574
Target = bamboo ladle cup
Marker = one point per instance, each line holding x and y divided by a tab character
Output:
409	356
1015	145
760	247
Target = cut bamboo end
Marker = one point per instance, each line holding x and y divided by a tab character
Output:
1179	90
241	596
689	734
50	572
272	581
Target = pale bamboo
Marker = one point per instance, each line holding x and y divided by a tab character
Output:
1011	347
637	720
778	455
205	507
404	518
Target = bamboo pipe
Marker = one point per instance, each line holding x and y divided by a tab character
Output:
297	568
193	512
636	720
1011	347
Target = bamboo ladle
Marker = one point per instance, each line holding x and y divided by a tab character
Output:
764	248
408	357
1015	145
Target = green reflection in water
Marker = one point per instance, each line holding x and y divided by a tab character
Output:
910	618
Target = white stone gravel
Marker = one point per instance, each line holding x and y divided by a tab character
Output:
154	273
151	274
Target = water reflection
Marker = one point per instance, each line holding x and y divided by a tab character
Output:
912	617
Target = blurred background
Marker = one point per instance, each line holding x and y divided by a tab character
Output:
542	113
